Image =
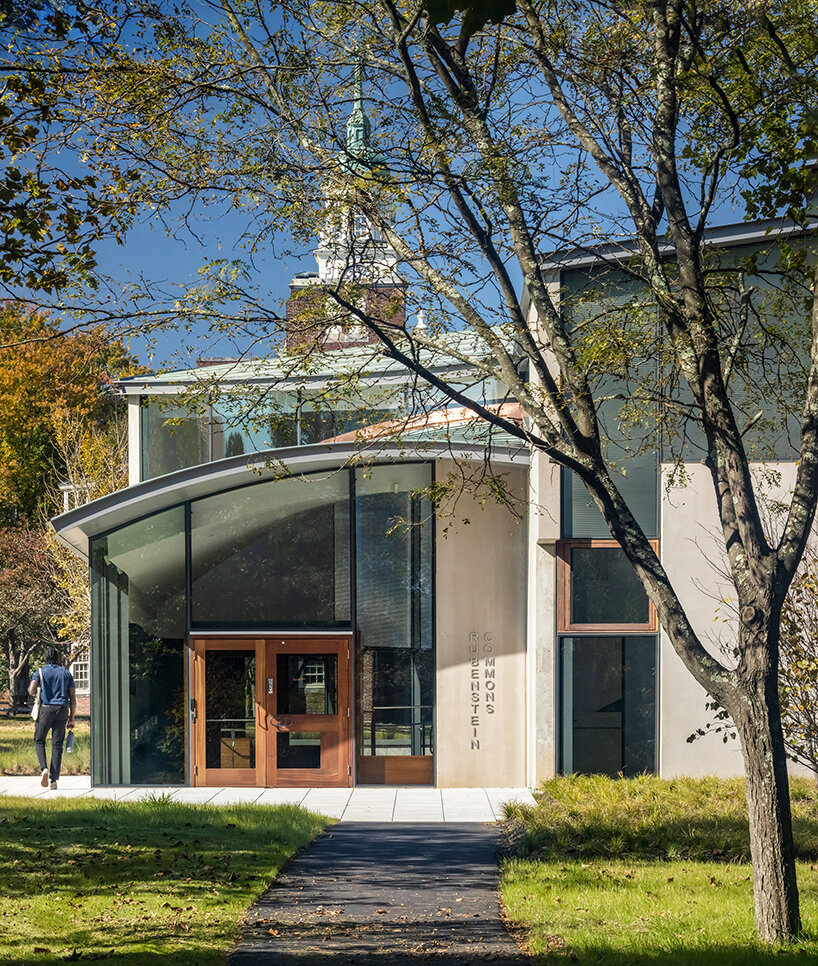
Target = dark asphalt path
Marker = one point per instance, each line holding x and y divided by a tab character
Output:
385	895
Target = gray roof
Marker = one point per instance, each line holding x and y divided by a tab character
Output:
372	362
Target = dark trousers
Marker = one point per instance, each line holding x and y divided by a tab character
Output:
53	718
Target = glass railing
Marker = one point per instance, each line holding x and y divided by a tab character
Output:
397	730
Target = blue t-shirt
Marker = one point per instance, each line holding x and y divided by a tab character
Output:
55	684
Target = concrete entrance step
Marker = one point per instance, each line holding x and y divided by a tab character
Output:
362	804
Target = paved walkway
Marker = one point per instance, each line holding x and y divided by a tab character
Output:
384	895
362	804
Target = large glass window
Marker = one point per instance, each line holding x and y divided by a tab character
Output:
173	437
608	694
394	536
244	423
273	555
137	651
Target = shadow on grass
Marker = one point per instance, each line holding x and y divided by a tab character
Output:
599	956
138	875
722	955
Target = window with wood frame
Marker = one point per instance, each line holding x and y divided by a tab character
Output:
598	589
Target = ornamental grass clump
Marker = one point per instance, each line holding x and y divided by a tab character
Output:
646	817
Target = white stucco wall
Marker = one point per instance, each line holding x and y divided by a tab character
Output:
481	641
692	552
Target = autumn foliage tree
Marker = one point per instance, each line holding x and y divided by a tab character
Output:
30	602
45	374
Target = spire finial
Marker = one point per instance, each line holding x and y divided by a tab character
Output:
359	127
359	84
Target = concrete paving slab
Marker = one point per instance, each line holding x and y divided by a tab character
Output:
384	895
363	803
282	796
106	793
236	796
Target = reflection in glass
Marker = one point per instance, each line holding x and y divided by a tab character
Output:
307	684
173	437
298	749
394	598
273	554
138	615
605	588
246	422
608	705
230	700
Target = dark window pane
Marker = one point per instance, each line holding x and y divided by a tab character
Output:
298	749
307	684
394	595
605	588
274	554
137	652
230	698
608	705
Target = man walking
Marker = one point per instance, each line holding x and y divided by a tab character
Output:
58	705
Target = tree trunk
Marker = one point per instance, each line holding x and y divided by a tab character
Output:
775	890
17	657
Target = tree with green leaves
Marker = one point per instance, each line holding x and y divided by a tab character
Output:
53	210
619	130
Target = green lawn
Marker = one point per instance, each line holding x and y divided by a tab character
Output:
17	756
645	871
136	883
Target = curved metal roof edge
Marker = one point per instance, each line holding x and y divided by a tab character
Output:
77	526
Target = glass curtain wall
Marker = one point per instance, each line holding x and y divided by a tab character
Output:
273	555
173	437
396	672
270	555
138	601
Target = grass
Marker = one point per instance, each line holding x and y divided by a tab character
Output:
17	755
648	871
136	883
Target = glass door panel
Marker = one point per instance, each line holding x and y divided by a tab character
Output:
230	711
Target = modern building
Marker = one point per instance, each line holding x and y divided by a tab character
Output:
276	602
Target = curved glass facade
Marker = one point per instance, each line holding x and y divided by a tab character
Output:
349	550
137	652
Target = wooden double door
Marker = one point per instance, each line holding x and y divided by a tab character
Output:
272	711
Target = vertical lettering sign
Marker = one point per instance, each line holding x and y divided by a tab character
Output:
483	684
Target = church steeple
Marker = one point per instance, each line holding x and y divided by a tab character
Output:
358	156
351	252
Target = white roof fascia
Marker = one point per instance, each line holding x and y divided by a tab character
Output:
75	528
720	237
170	388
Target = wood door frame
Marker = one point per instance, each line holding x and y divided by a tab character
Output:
240	777
341	776
263	775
